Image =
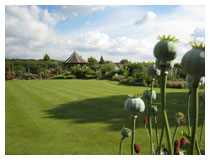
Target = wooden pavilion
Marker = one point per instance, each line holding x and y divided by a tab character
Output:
75	59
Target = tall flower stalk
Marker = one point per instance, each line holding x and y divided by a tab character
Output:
154	111
188	113
165	52
125	132
134	104
203	123
193	63
133	133
163	102
152	72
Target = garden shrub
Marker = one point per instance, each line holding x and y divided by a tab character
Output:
117	77
9	75
29	76
90	76
109	75
70	77
59	77
107	67
156	85
176	84
20	68
99	75
139	76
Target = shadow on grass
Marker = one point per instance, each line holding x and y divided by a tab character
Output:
110	110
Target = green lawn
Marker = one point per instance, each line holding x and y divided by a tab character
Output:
78	117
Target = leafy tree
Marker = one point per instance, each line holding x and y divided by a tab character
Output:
93	63
101	60
107	67
46	57
123	61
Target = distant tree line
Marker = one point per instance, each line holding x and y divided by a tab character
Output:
125	71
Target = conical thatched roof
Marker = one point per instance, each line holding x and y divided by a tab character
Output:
75	59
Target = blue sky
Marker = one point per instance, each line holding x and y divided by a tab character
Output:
114	32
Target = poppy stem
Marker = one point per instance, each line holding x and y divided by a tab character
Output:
121	142
177	124
203	125
188	113
194	115
163	82
156	130
197	146
133	134
201	135
161	138
150	119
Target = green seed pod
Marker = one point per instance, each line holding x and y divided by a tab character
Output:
166	65
153	71
134	105
166	50
125	132
147	93
193	62
189	80
154	109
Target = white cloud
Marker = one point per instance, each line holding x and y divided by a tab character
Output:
83	9
149	16
198	35
30	33
48	18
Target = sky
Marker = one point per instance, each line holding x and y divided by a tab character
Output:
114	32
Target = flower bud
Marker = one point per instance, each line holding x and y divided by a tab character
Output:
137	148
125	132
183	142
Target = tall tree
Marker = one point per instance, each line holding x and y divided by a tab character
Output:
93	63
101	60
46	57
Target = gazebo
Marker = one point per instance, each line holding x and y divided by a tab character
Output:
75	59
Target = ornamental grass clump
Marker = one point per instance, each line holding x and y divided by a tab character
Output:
165	51
125	132
135	105
193	63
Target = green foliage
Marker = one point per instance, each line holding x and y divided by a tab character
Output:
46	57
59	76
124	61
109	74
107	68
176	84
93	63
101	60
29	76
20	67
70	77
